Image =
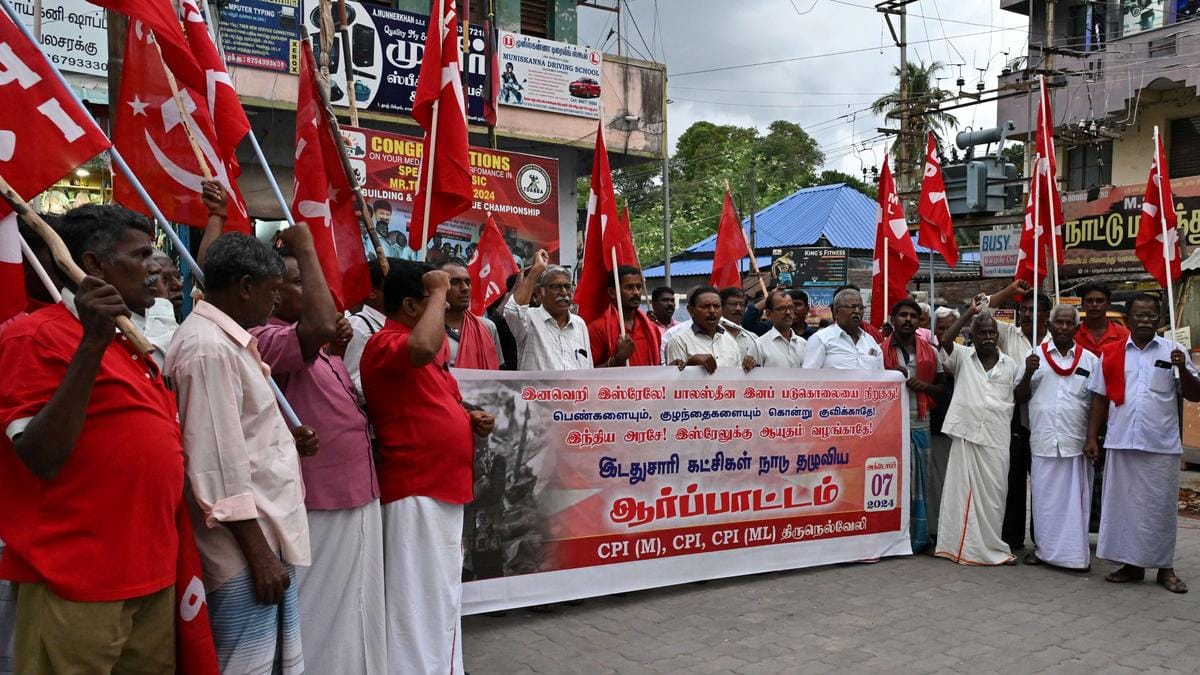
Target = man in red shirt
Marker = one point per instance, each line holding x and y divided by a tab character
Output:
426	442
641	343
91	466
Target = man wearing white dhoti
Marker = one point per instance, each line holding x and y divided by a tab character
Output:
1141	379
1053	381
426	464
978	422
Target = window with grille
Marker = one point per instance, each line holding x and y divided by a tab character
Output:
1089	166
1183	155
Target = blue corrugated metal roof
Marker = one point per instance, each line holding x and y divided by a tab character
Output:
838	212
698	267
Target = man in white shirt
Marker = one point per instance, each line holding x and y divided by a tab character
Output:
1053	382
844	345
780	347
703	342
979	424
1138	386
548	337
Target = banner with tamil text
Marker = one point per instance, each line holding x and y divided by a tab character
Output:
604	481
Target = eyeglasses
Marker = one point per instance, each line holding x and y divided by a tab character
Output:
1140	316
557	287
852	308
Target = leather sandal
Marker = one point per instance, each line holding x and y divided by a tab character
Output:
1125	575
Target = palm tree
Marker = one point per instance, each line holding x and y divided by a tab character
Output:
920	92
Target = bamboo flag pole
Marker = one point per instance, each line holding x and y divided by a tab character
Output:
617	287
428	157
364	212
346	56
750	251
63	257
185	117
1162	220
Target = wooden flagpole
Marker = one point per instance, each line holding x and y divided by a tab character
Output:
63	257
36	264
617	287
1049	189
346	56
185	117
1162	220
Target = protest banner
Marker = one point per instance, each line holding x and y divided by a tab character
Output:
605	481
1099	235
520	191
546	75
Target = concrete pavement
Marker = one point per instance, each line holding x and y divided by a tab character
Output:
901	615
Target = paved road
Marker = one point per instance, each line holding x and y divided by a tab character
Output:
902	615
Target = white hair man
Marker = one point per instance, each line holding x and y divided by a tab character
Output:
548	337
845	344
1053	381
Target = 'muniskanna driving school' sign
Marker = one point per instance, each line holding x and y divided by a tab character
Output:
598	482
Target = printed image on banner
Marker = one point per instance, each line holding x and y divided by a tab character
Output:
262	34
74	34
521	192
385	52
546	75
998	250
805	267
1099	235
600	482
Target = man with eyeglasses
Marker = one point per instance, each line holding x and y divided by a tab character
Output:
1137	387
844	345
548	337
780	347
733	311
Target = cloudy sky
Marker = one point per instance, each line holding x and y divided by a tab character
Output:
807	84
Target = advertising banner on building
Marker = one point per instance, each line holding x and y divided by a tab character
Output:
998	251
386	46
804	267
520	191
546	75
605	481
1140	15
74	34
262	34
1099	235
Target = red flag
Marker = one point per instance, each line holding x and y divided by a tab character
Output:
323	197
195	652
149	131
160	17
1045	205
894	251
731	248
1159	220
223	105
43	134
491	267
591	295
937	229
12	273
440	83
619	237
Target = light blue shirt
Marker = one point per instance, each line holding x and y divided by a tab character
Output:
1149	418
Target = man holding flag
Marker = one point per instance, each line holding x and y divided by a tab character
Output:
627	339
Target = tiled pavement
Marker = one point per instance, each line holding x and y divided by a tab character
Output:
901	615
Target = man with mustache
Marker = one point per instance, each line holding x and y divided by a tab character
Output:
640	343
704	342
916	359
91	469
1137	387
1053	381
473	341
845	344
549	337
972	507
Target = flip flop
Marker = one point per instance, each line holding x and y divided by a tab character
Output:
1125	575
1173	584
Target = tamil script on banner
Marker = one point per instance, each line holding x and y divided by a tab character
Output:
262	34
998	251
520	191
1099	235
386	46
546	75
599	482
74	34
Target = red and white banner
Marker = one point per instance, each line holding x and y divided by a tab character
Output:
600	482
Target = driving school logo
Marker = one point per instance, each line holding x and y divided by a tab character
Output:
533	183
